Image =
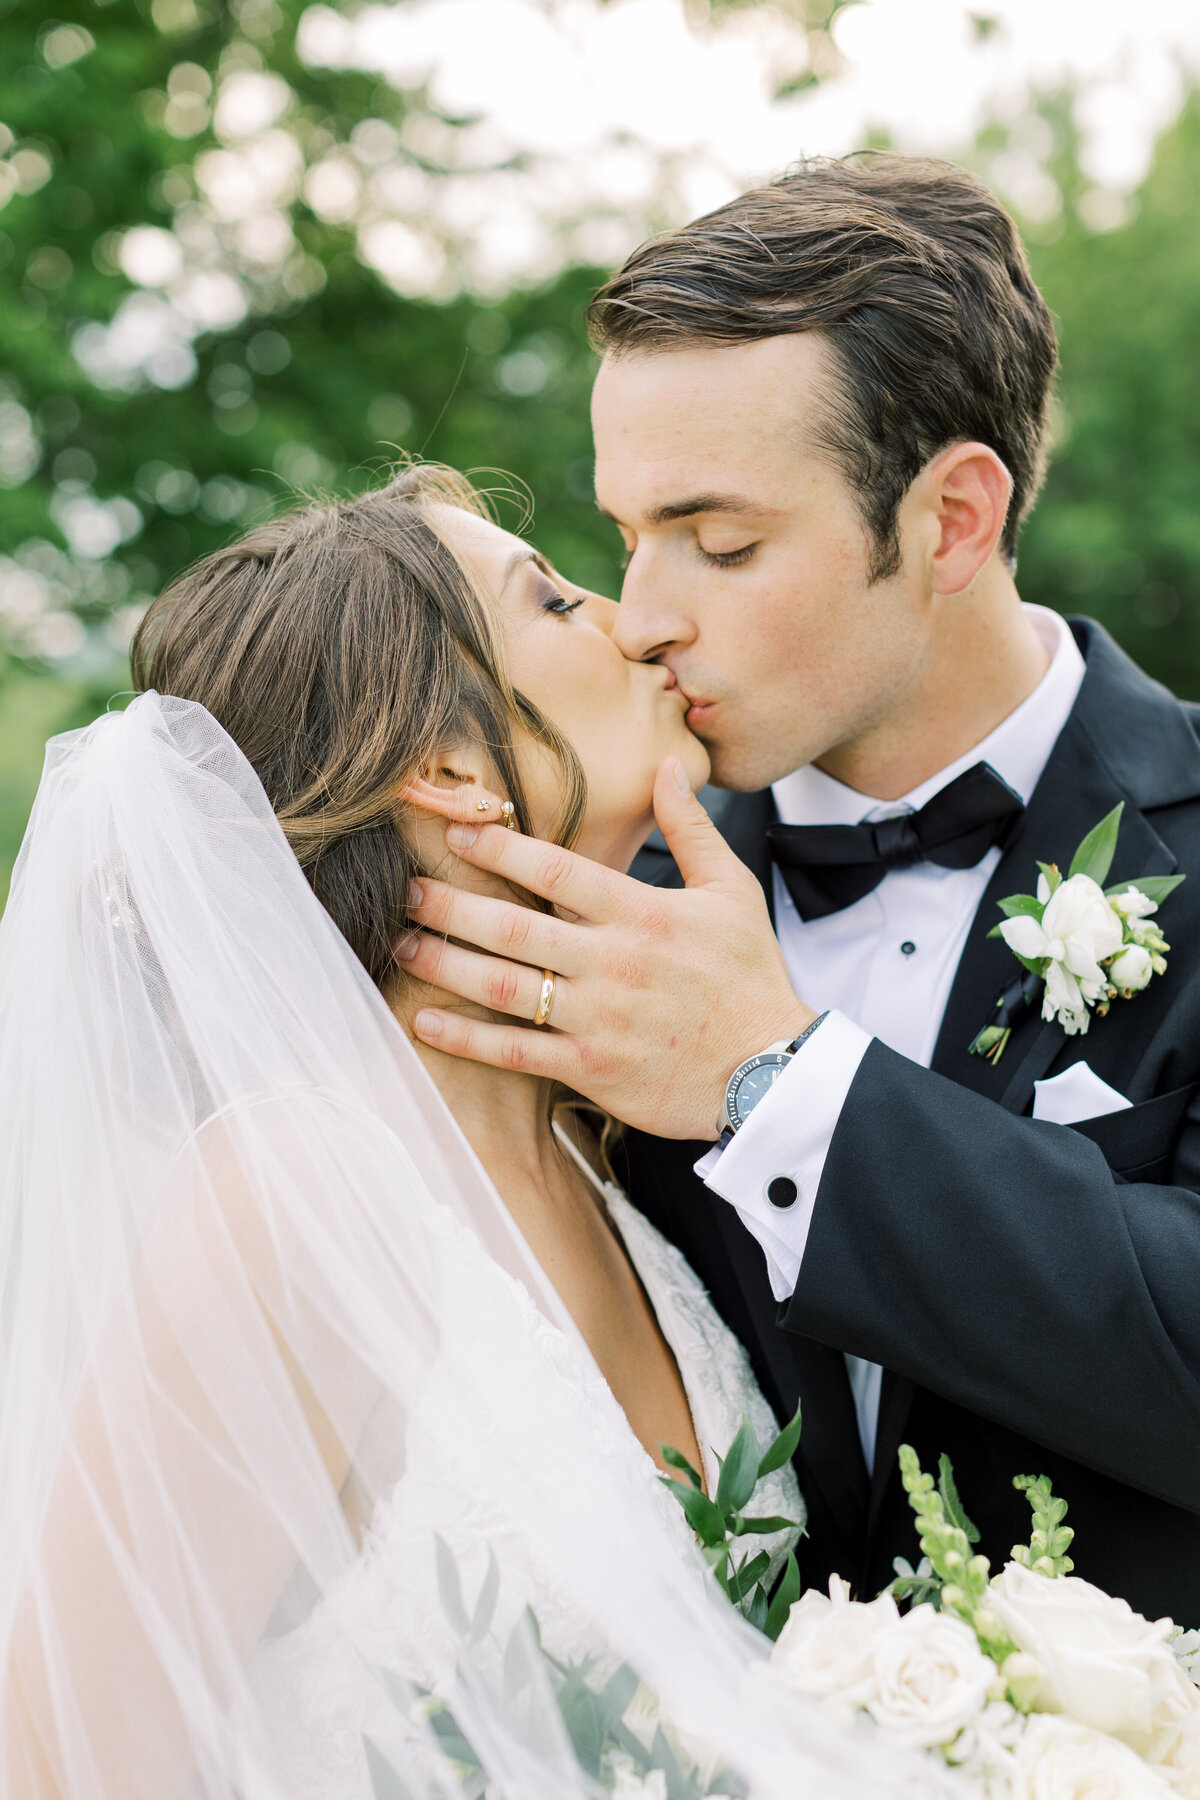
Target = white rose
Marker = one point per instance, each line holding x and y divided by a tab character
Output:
1102	1663
629	1785
1178	1756
643	1715
1078	930
1057	1759
824	1650
1133	904
1132	969
931	1678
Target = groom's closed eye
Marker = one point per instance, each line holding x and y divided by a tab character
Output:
727	559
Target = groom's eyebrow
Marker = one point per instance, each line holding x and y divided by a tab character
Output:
698	503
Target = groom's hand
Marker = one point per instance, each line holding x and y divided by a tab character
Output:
659	993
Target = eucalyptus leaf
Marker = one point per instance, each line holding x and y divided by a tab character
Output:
678	1460
743	1578
771	1523
756	1612
485	1605
581	1716
1095	854
783	1449
616	1694
739	1472
783	1599
705	1519
449	1586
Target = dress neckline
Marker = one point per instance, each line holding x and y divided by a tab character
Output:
623	1214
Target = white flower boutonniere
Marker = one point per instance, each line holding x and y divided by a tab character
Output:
1086	945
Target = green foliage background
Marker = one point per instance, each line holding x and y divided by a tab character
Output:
329	371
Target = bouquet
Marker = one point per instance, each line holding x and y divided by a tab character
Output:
1034	1683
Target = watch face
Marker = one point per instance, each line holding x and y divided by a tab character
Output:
755	1081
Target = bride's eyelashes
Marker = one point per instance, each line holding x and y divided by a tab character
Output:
726	559
561	605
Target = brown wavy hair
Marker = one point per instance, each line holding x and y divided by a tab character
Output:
915	278
343	648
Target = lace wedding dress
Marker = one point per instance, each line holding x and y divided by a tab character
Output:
320	1702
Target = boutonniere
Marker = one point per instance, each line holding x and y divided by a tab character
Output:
1083	944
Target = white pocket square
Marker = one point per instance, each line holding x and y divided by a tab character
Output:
1078	1093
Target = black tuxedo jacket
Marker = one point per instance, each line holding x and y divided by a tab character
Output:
1031	1290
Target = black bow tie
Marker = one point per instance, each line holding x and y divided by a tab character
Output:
828	867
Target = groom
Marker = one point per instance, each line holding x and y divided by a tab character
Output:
820	420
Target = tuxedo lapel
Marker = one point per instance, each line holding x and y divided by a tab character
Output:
1126	740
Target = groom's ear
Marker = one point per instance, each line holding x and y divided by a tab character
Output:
969	490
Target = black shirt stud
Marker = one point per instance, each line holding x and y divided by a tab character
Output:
781	1191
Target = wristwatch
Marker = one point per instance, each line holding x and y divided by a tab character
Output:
753	1080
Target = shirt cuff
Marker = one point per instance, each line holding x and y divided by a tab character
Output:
786	1139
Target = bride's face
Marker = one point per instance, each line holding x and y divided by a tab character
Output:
621	718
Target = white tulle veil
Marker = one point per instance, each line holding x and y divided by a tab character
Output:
243	1250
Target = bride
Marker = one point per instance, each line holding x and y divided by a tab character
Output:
336	1374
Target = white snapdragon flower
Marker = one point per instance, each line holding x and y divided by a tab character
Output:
1077	932
1132	969
1102	1663
825	1650
1133	904
931	1678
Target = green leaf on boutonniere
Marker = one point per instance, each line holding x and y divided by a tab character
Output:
1155	887
1094	856
1017	904
1053	875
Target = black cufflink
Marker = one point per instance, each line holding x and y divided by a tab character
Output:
782	1191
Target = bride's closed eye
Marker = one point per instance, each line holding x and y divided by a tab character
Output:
558	603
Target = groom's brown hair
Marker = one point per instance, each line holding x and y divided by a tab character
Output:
916	279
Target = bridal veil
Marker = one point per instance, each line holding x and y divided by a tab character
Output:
249	1271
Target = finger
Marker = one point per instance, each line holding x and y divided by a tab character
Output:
591	892
700	851
533	1052
490	981
498	926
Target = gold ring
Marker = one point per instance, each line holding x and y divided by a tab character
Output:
546	1003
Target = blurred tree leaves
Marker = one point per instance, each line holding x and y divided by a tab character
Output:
1116	533
206	243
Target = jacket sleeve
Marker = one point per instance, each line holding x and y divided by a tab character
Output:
1017	1268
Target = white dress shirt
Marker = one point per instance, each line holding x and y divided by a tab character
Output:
883	968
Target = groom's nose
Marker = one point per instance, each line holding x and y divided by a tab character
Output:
649	620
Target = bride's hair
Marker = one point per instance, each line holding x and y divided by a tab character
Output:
343	648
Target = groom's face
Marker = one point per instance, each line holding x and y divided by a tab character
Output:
749	566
